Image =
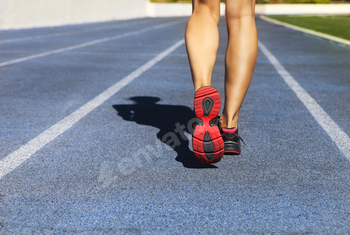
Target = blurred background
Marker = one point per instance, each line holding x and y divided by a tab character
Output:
262	1
19	14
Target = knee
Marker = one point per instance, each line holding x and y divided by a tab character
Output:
239	13
208	9
239	16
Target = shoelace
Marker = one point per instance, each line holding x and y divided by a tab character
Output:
215	121
241	139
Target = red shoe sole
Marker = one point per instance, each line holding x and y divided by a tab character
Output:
208	146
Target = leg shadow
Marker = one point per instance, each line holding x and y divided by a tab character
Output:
147	112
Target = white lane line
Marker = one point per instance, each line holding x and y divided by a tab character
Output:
70	32
340	138
308	31
16	158
87	43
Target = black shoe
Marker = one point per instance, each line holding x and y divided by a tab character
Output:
232	141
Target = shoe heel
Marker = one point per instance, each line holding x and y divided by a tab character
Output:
207	102
232	148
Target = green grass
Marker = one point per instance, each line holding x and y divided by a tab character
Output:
338	26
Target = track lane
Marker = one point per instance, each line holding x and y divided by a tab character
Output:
320	67
78	46
290	178
43	91
70	32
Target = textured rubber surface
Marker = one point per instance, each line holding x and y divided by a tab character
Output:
231	140
208	146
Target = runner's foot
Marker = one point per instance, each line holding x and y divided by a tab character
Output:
208	146
232	141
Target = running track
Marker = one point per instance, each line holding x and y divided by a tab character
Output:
83	108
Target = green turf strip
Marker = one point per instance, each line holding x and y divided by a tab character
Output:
338	26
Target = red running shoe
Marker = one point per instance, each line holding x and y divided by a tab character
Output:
208	146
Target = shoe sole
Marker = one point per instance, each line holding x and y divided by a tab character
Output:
208	146
232	148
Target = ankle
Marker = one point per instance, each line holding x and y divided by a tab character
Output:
200	84
227	123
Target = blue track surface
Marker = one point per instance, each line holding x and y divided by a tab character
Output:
109	173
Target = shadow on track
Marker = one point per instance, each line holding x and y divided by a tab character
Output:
146	111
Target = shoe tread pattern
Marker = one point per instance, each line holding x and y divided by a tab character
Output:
208	145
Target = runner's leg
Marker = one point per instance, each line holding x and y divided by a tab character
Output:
202	40
241	53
